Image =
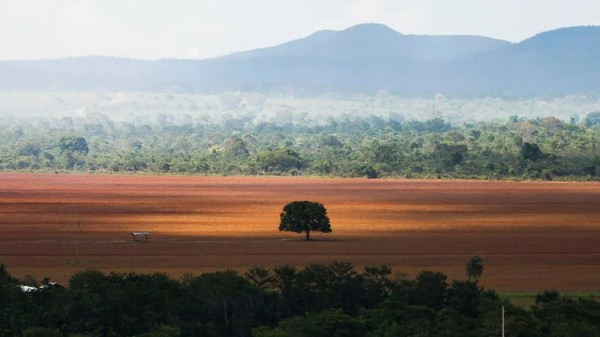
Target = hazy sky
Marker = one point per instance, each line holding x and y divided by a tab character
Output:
151	29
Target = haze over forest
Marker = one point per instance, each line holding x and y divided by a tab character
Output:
365	101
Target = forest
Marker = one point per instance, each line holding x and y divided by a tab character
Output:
316	300
347	145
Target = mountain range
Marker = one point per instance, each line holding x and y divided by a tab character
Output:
362	59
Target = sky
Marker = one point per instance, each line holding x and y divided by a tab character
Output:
197	29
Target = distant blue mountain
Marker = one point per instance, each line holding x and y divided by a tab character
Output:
360	59
377	41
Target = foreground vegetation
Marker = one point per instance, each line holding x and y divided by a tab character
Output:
318	300
348	146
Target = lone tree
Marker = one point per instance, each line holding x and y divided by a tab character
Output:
474	267
304	216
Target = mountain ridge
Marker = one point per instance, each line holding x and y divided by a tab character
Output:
377	39
360	59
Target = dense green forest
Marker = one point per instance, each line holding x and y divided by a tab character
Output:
346	146
317	300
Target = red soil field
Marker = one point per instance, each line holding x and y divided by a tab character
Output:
531	235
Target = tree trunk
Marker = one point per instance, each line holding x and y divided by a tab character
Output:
307	234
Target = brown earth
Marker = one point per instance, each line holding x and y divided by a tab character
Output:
531	235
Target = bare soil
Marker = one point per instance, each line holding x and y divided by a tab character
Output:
531	235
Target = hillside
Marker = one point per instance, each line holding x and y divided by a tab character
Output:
376	41
558	62
361	59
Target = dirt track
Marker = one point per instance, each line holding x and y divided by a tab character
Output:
531	235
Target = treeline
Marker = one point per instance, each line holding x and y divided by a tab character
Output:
350	146
317	300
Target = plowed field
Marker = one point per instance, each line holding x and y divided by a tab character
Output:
531	235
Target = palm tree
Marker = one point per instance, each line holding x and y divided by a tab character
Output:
474	267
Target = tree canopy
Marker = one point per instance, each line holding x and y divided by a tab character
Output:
304	216
318	299
351	145
74	144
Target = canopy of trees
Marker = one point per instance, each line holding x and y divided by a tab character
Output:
348	146
73	144
317	300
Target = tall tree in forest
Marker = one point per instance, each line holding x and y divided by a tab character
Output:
474	267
